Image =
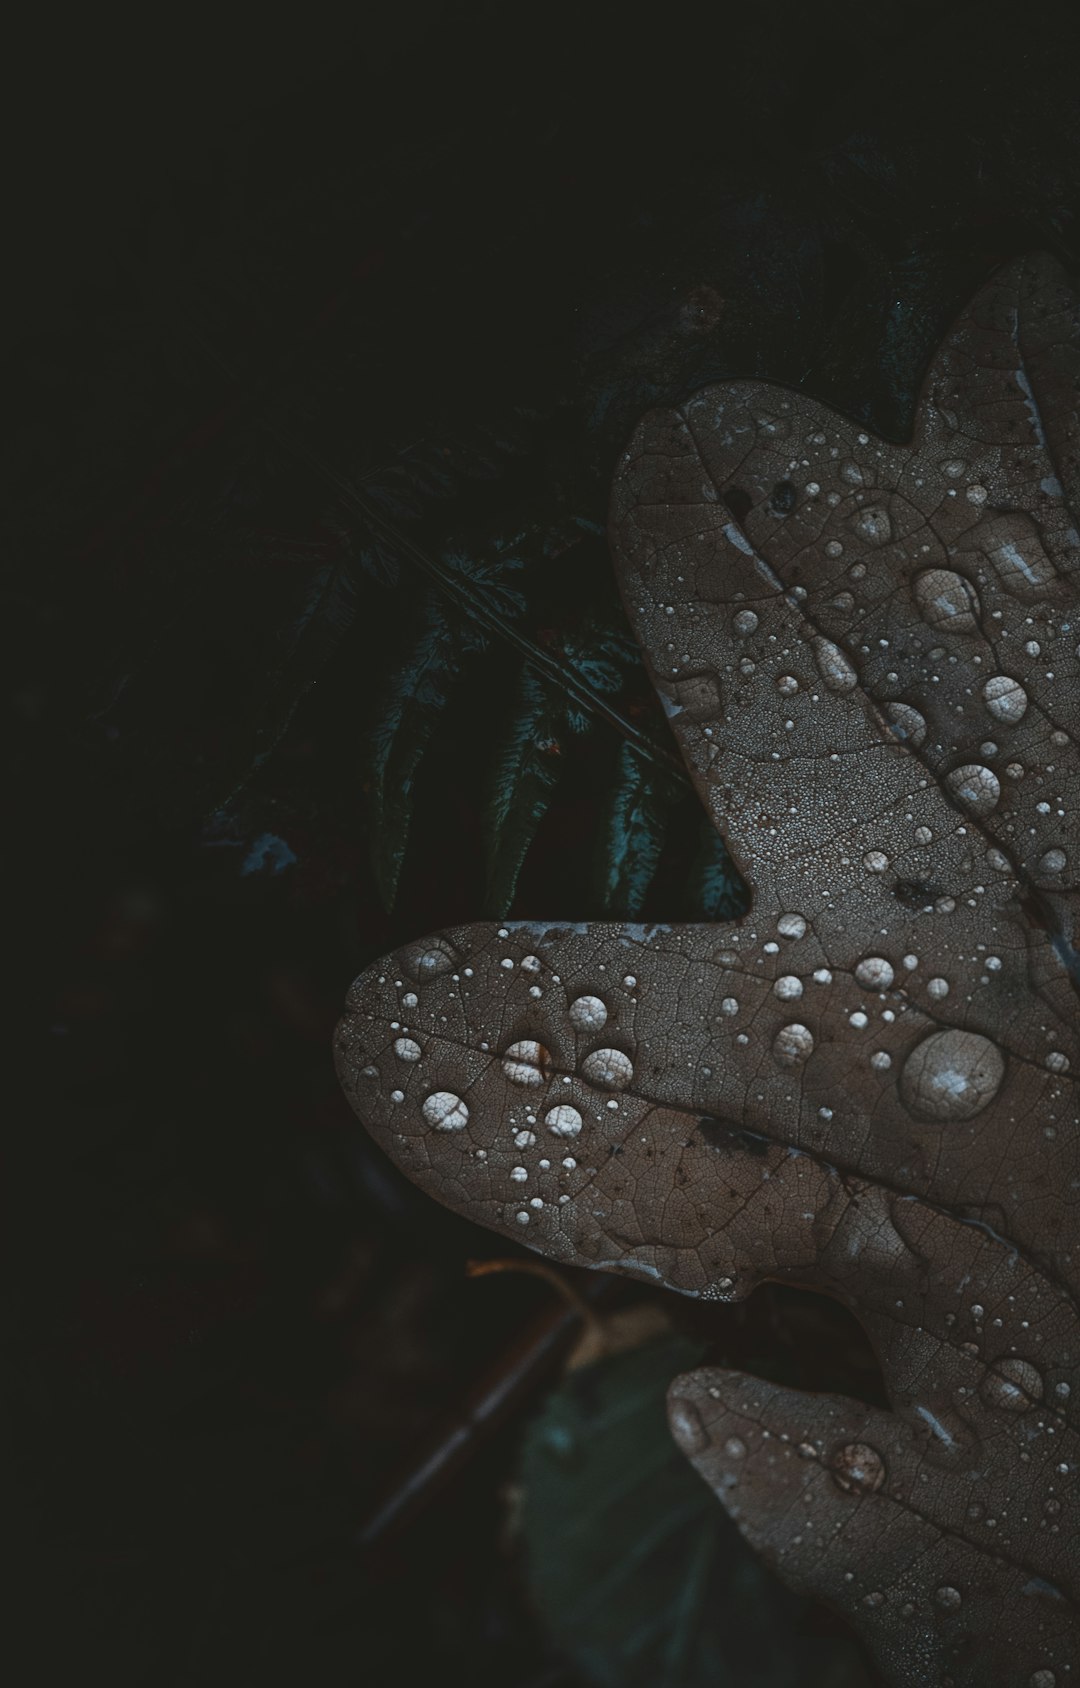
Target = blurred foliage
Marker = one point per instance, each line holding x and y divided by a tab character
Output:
640	1578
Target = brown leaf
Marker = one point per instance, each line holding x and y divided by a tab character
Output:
869	654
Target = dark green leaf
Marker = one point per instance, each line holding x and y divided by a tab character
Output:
640	1578
526	772
632	835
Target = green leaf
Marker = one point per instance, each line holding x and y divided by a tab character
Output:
414	699
527	770
632	835
639	1576
713	886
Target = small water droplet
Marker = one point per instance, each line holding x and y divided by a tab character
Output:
1052	862
427	961
730	1005
407	1049
858	1468
947	602
833	666
875	973
609	1068
951	1075
793	1045
1057	1061
588	1014
735	1447
745	623
948	1598
787	684
563	1120
1042	1679
686	1426
1005	698
788	988
791	926
876	861
937	989
976	787
873	524
445	1111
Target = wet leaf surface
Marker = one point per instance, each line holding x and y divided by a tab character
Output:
868	654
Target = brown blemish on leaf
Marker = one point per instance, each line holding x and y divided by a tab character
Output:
867	1084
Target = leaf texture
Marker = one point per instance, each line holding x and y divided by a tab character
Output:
866	1085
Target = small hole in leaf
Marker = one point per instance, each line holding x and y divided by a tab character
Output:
739	502
783	498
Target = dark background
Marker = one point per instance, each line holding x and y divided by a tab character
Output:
321	336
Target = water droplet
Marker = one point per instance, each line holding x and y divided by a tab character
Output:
975	787
563	1120
833	666
873	524
858	1468
526	1062
793	1045
1042	1679
1005	698
427	961
1057	1061
745	623
787	684
686	1426
947	602
407	1049
851	473
791	926
1013	1384
875	973
1052	862
735	1447
947	1597
609	1068
906	723
519	1174
445	1111
876	860
588	1014
937	989
881	1061
788	988
952	1075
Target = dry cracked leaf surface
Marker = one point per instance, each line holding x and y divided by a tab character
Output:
869	653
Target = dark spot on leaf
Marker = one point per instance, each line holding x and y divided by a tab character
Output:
739	502
782	498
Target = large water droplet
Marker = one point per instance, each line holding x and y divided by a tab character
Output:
563	1120
952	1075
609	1068
858	1468
588	1014
407	1049
947	602
793	1045
873	524
976	787
526	1062
1005	698
833	666
906	723
791	926
788	988
1012	1384
1015	548
875	973
445	1111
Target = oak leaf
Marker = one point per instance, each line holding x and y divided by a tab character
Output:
867	1084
